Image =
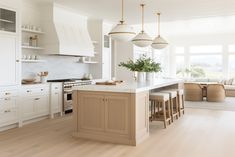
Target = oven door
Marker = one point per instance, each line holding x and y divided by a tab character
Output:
68	105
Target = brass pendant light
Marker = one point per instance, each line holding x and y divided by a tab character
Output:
122	31
142	39
159	42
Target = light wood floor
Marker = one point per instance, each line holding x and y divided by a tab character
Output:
200	133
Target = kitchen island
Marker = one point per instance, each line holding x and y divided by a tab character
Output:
117	113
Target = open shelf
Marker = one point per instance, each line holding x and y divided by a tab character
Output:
32	47
7	21
88	62
32	31
33	61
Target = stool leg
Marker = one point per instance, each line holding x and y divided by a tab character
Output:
171	106
158	108
152	114
169	110
176	107
154	109
183	103
179	104
164	113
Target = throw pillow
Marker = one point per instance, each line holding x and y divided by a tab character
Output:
230	82
233	82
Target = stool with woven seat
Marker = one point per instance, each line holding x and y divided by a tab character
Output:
180	97
180	94
160	108
173	103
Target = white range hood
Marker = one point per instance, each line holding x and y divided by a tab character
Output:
66	33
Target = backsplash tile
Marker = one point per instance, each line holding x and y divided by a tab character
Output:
59	67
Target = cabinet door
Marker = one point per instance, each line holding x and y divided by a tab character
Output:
7	20
117	112
42	105
56	97
90	111
28	109
8	111
8	63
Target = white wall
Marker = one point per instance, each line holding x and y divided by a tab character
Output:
123	51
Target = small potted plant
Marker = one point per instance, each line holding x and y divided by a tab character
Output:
142	66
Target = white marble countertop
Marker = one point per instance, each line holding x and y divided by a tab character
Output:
130	87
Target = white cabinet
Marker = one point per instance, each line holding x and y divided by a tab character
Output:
7	20
9	62
9	110
34	101
56	98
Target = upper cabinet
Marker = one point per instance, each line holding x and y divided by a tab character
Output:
7	20
9	44
9	62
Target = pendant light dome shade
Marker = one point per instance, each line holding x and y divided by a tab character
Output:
122	31
159	42
142	39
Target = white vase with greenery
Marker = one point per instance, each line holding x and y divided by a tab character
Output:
141	76
150	76
143	66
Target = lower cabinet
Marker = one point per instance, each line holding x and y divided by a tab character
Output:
9	113
105	113
91	112
34	102
56	98
33	107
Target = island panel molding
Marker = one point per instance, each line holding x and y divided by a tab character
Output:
115	114
111	117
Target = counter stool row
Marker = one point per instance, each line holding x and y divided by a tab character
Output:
166	105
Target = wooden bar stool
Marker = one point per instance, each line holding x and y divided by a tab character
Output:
180	94
173	103
160	107
180	97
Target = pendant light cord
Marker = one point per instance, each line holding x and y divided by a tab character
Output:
122	21
142	6
158	19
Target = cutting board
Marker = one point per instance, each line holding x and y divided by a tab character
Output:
109	83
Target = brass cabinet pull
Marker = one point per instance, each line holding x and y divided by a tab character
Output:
37	99
17	60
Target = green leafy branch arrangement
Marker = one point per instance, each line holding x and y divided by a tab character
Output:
143	64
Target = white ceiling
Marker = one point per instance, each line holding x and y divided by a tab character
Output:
171	9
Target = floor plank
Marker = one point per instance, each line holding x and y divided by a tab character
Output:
200	133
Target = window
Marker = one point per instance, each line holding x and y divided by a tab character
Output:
138	52
231	48
206	66
179	50
206	49
200	61
232	65
180	66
